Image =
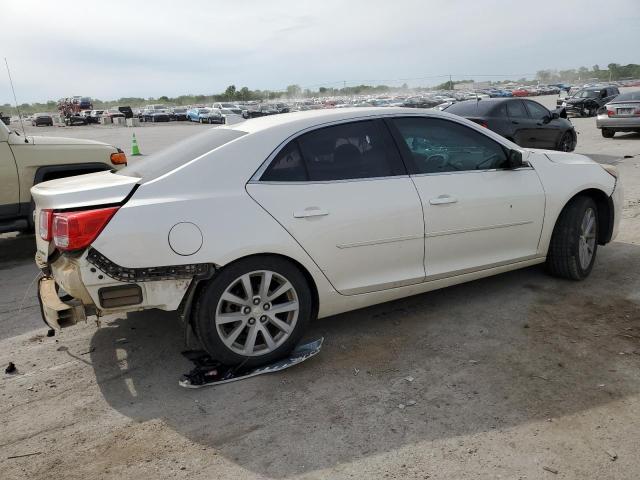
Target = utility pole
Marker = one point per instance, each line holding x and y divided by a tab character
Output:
450	83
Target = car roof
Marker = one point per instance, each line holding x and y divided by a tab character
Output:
297	121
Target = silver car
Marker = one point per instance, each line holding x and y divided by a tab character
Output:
622	114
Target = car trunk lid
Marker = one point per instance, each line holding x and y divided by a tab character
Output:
78	192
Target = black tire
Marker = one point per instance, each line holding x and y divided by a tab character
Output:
207	303
566	142
607	132
563	256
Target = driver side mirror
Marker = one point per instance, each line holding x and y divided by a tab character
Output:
514	159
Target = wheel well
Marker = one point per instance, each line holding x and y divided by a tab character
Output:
312	284
605	212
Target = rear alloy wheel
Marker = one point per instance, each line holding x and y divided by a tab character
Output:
574	243
566	142
608	133
253	312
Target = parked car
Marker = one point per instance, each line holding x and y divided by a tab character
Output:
587	101
75	119
194	114
525	122
261	110
253	233
622	114
94	116
211	115
39	119
113	113
84	103
281	108
228	106
178	113
520	92
126	111
155	113
420	102
26	161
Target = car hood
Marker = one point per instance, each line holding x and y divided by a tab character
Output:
37	140
566	158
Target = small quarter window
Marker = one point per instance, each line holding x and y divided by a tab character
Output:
287	166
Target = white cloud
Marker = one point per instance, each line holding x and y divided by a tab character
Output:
115	48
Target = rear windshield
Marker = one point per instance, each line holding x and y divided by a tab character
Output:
471	108
156	165
629	96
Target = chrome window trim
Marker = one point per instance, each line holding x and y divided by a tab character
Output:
255	178
457	172
314	182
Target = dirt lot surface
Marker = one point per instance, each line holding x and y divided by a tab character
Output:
518	376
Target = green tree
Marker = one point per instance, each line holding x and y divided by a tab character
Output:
293	91
230	92
543	75
245	94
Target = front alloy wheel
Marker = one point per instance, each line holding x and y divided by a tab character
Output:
574	243
587	240
253	311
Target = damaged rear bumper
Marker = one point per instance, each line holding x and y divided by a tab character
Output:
58	312
93	285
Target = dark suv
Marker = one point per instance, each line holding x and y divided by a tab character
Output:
587	101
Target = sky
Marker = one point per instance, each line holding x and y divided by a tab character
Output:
109	49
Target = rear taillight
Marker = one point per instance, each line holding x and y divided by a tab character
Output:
45	224
610	113
76	230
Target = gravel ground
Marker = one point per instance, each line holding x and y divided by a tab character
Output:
515	376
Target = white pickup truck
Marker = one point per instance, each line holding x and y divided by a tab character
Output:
28	160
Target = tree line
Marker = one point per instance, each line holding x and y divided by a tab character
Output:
613	72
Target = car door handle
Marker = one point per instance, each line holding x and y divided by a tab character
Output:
310	212
515	123
442	199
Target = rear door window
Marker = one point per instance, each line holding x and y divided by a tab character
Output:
516	109
348	151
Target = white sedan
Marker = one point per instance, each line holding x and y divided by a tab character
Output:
253	230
